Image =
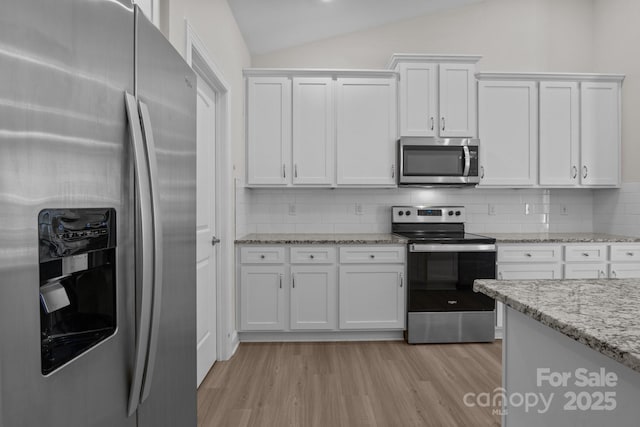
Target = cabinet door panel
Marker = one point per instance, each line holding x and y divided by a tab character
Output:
313	297
372	297
623	270
457	97
262	298
529	271
559	133
508	133
600	132
366	131
418	99
268	130
585	271
313	131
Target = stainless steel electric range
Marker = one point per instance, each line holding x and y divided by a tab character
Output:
443	261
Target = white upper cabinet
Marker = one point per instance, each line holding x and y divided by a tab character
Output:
507	127
418	99
457	100
568	136
437	95
366	131
268	130
315	128
559	134
313	131
600	132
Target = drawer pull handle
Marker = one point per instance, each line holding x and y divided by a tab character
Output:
613	274
585	254
452	302
629	253
528	255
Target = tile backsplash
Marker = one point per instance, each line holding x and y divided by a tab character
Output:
369	210
617	211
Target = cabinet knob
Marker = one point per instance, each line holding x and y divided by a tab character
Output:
500	275
311	256
613	274
261	256
372	256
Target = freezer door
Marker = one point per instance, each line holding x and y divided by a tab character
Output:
64	142
165	88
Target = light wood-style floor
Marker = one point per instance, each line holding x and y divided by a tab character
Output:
350	384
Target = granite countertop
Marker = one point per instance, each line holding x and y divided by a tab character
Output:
316	239
602	314
561	238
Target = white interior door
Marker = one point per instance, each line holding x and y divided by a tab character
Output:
206	229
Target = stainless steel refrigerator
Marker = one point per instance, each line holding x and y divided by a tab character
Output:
97	219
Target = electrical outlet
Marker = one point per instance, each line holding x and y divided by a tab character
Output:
358	209
292	209
527	208
492	209
564	210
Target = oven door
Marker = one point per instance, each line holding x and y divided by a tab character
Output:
440	277
438	161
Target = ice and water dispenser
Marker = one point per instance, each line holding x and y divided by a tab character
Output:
77	282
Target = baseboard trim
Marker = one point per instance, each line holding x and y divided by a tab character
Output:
321	336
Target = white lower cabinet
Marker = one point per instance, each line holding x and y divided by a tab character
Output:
313	297
586	270
262	298
529	271
372	296
298	288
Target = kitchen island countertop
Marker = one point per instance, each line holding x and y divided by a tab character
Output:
602	314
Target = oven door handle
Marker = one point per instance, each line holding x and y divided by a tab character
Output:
414	247
467	161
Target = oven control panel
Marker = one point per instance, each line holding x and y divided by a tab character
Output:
421	214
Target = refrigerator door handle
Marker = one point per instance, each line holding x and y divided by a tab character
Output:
152	163
144	235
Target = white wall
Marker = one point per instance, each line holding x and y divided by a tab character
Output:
214	23
512	35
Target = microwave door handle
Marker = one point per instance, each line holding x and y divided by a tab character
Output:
467	161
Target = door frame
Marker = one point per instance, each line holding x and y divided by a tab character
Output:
198	58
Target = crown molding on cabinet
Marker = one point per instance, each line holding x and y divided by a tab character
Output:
574	77
419	57
316	72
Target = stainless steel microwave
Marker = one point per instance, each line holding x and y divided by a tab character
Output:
438	161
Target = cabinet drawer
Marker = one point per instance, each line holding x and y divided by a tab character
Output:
625	253
529	253
372	254
313	255
579	253
262	255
